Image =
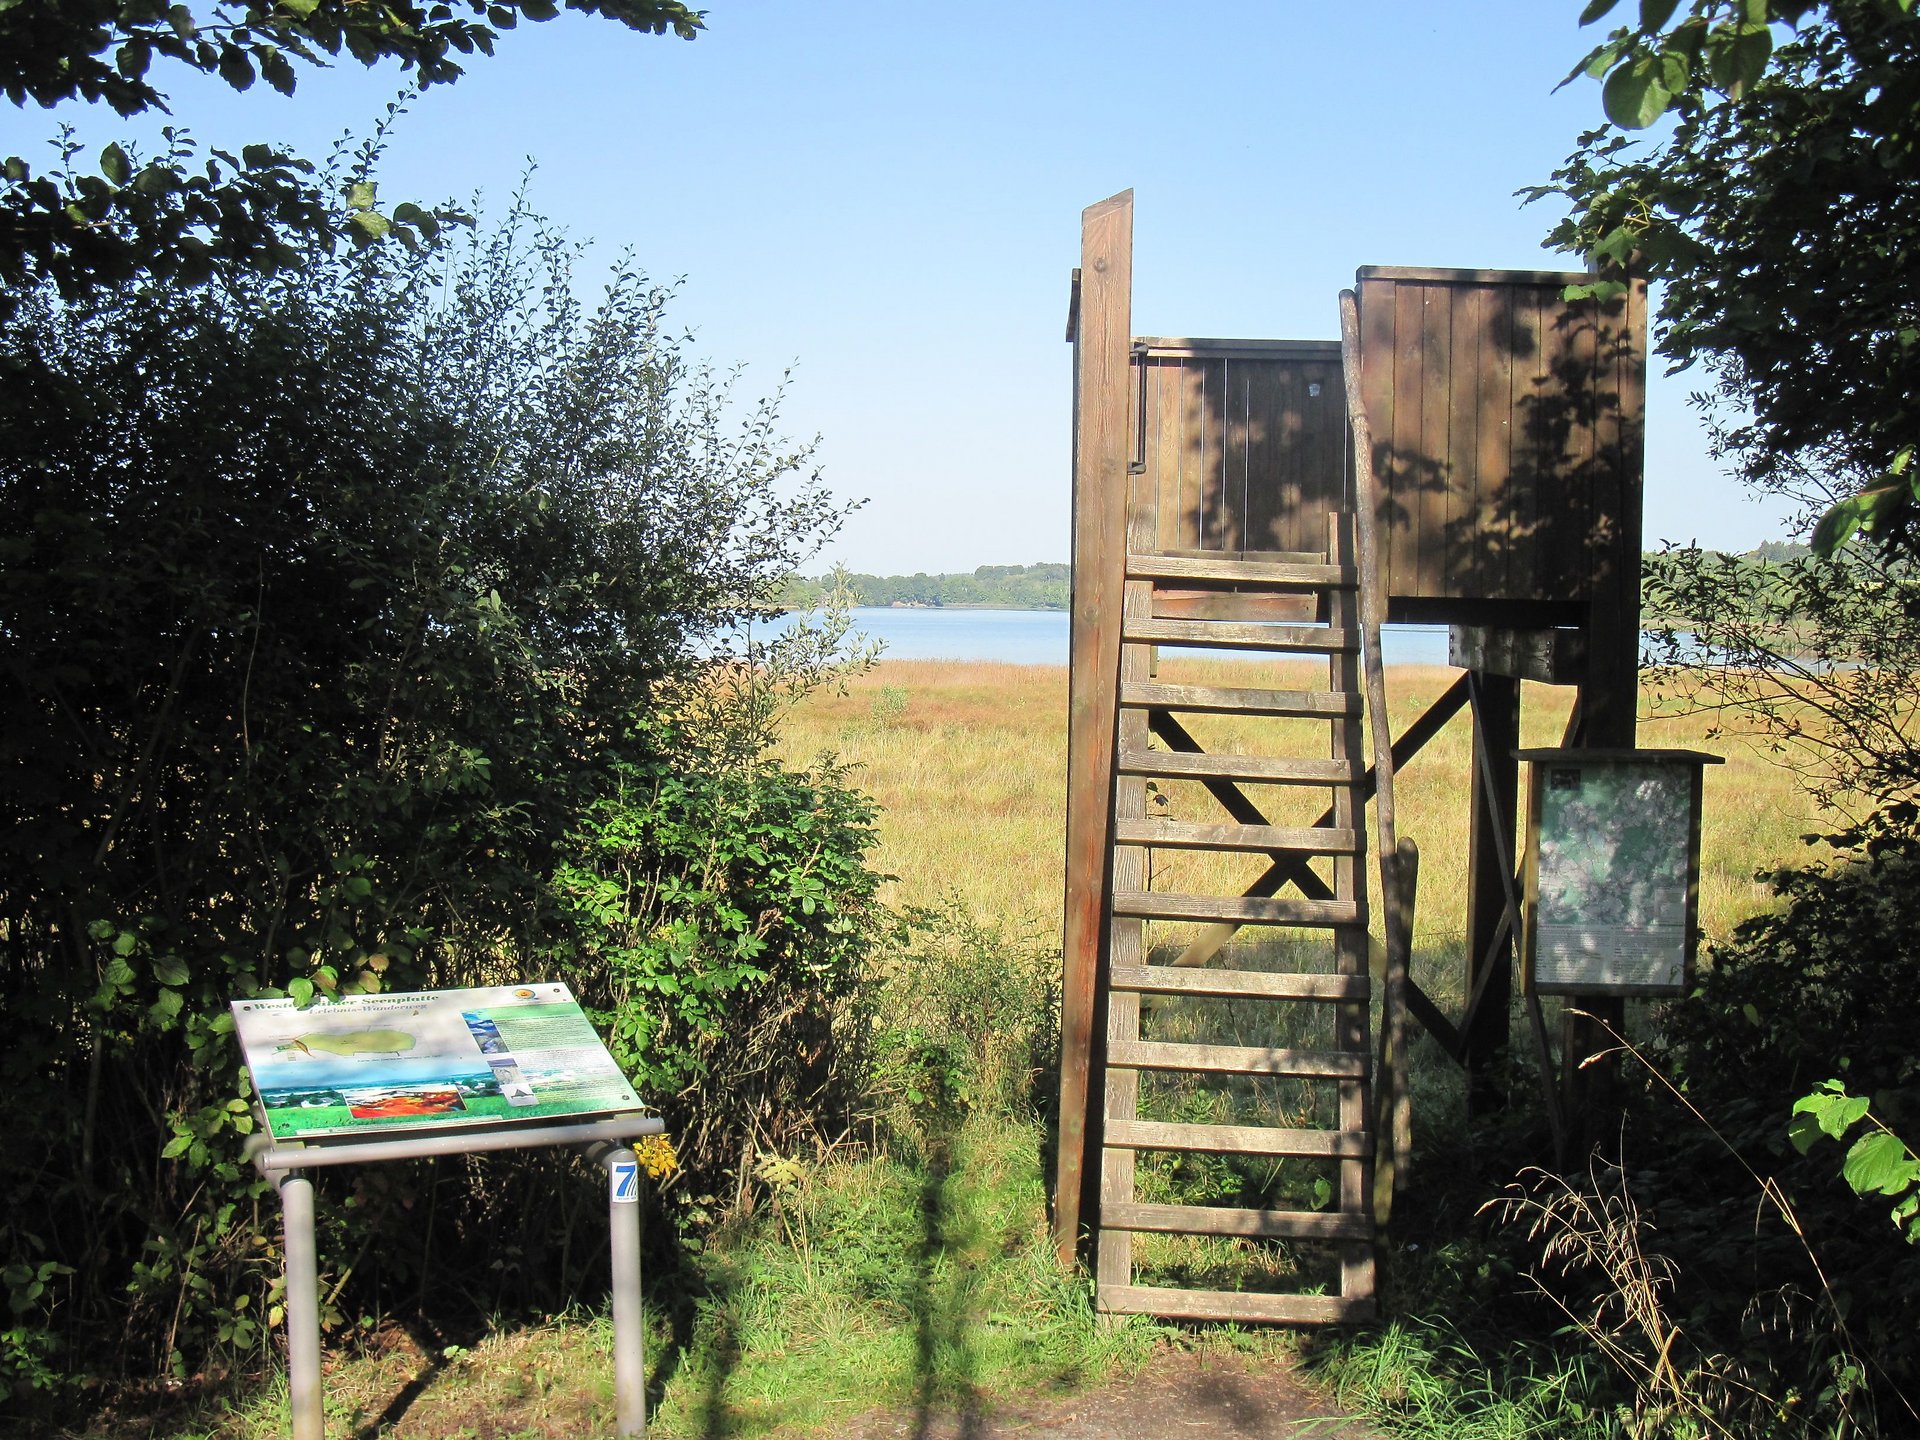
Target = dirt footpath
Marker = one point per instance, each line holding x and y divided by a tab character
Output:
1180	1396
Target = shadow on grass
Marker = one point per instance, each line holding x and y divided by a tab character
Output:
438	1344
943	1354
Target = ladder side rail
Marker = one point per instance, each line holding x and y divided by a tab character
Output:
1399	943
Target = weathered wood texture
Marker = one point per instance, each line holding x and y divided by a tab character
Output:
1102	434
1244	443
1506	433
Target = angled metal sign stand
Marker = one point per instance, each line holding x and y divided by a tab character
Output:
456	1072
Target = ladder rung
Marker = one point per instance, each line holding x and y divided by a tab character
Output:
1262	839
1268	769
1309	569
1245	909
1221	700
1218	1220
1236	984
1237	1140
1232	1305
1235	635
1237	1060
1271	606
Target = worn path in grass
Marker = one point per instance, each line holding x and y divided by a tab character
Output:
1181	1395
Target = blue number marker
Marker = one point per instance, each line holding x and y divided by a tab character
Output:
623	1179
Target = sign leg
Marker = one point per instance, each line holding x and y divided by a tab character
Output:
302	1301
629	1334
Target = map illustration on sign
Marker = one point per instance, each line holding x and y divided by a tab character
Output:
1613	876
436	1059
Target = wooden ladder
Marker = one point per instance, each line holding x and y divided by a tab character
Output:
1251	602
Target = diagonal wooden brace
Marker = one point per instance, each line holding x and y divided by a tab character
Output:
1294	869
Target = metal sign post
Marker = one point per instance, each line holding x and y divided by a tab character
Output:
405	1077
605	1142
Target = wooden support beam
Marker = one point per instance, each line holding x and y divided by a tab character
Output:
1421	1006
1240	1060
1102	448
1239	984
1246	1306
1222	1220
1236	1139
1553	657
1491	813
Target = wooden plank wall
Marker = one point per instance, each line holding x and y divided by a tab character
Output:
1506	425
1244	442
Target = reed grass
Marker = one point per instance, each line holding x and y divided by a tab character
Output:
968	761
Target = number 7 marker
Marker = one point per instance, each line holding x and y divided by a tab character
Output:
623	1182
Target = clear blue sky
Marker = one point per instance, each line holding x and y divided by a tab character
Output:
889	195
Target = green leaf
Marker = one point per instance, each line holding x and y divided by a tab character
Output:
176	1146
1676	70
1832	1109
539	9
1878	1164
124	943
1654	14
301	989
360	195
115	165
133	58
236	68
169	970
17	169
370	225
1747	56
1634	97
1840	524
1595	9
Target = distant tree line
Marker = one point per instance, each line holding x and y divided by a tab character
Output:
1049	587
998	587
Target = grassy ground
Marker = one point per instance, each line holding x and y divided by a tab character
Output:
916	1276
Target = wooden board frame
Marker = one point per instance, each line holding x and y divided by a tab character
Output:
1541	763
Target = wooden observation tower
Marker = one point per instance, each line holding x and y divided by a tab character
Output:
1468	453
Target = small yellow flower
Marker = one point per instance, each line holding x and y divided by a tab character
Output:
656	1157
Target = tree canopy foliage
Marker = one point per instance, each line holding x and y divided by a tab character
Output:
346	615
84	222
1781	211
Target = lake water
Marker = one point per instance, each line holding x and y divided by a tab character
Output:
1039	637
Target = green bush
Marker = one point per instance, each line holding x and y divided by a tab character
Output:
338	607
1727	1273
965	1019
716	924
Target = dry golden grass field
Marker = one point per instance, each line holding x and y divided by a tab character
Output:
968	761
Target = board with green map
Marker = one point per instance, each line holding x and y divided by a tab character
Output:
434	1060
1612	871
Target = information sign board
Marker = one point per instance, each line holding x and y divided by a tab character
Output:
1612	870
430	1060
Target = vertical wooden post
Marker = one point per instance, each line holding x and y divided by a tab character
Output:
1102	434
1610	693
1490	843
